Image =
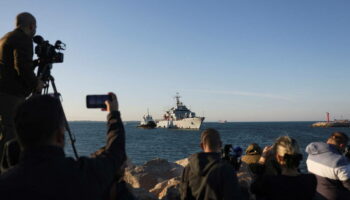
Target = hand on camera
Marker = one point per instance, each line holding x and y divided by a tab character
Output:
112	105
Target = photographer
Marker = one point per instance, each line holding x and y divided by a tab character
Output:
289	184
44	172
207	176
17	78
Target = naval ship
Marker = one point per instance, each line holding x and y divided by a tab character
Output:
180	117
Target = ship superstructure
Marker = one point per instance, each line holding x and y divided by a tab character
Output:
180	117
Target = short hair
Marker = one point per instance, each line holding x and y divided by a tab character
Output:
288	148
339	138
211	137
24	19
37	120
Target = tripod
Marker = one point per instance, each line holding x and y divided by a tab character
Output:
44	74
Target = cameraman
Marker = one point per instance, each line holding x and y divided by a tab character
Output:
44	172
17	78
207	176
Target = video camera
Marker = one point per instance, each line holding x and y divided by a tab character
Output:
232	155
48	53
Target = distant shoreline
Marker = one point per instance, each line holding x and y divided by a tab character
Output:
132	121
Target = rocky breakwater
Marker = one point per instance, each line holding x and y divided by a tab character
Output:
160	179
156	179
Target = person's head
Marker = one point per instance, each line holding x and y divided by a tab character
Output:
253	149
27	23
339	139
40	121
287	152
210	140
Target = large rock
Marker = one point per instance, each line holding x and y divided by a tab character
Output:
167	190
151	173
183	162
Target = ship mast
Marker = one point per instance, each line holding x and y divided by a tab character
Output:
177	97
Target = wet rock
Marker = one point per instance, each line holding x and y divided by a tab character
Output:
151	173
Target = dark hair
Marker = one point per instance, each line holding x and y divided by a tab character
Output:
211	137
37	120
292	160
339	138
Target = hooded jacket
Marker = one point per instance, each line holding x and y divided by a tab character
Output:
208	177
332	170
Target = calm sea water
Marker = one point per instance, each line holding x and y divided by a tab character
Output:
171	144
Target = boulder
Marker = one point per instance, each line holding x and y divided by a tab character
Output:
151	173
168	188
183	162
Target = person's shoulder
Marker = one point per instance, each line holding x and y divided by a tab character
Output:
17	36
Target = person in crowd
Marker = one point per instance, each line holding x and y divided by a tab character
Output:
290	184
44	172
331	168
252	154
17	78
207	176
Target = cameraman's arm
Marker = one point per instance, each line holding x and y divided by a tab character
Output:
23	61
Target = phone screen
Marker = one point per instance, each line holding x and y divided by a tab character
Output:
96	101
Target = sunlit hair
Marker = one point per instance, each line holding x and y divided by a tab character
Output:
288	148
211	137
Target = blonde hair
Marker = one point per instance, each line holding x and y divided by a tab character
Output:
288	148
286	145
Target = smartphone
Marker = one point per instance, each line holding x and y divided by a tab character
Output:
97	101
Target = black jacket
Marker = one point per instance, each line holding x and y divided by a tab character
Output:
276	187
45	172
16	64
208	177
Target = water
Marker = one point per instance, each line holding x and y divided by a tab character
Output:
146	144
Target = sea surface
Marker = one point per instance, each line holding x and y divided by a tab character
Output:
174	144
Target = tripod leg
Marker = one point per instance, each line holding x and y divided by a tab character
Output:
70	134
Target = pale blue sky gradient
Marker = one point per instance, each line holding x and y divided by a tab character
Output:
271	60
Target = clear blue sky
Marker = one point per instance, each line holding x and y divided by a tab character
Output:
271	60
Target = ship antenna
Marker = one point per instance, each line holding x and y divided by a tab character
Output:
177	99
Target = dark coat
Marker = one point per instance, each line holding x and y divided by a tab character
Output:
276	187
17	75
208	177
45	172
